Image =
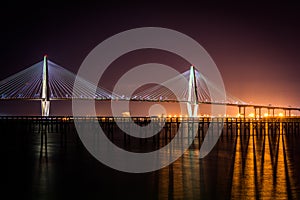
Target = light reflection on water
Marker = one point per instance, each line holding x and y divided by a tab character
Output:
250	166
243	165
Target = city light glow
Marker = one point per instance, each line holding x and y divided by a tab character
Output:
251	115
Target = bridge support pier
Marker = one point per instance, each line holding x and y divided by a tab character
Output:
192	95
259	112
45	107
289	112
45	103
285	112
242	111
269	112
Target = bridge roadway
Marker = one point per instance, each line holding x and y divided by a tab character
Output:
241	107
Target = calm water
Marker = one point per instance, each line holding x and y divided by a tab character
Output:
241	166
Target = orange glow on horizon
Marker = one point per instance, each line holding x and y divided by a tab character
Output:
251	115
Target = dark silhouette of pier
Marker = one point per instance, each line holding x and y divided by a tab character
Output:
230	127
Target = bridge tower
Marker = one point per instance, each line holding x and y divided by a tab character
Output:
192	95
45	102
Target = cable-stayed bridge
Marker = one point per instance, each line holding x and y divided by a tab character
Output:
47	81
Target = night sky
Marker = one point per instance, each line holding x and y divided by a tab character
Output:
254	45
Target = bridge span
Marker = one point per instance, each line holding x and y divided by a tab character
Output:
46	81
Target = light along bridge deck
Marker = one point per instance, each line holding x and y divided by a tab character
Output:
242	107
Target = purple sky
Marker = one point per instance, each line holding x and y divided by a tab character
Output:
255	46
